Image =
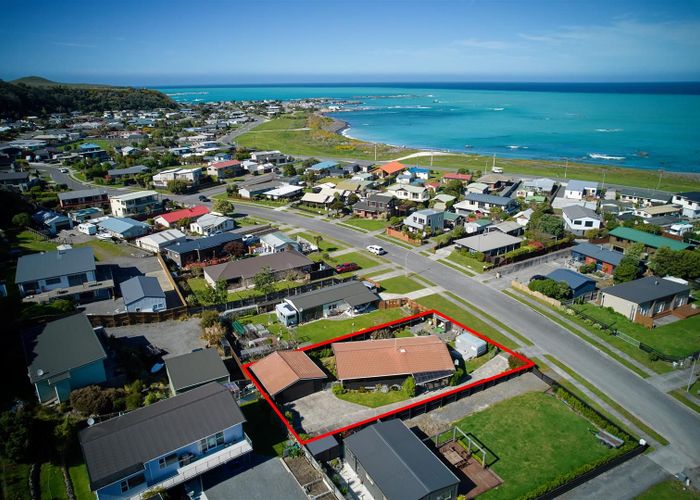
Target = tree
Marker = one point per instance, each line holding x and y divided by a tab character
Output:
178	186
453	187
551	224
629	269
289	170
635	250
264	280
214	334
338	205
234	248
221	290
92	400
317	240
681	264
208	319
15	434
223	206
22	219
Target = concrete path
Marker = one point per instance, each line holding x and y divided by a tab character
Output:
676	379
417	294
338	253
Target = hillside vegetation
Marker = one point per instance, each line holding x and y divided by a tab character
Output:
37	96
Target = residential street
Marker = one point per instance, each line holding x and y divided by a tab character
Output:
674	421
677	423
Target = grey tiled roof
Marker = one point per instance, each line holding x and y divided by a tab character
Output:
45	265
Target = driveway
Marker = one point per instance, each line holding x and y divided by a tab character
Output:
175	337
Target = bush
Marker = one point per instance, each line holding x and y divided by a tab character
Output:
515	362
209	319
558	290
92	400
339	389
586	268
134	395
409	385
456	377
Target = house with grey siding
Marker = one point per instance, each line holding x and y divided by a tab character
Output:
648	297
143	294
394	464
64	355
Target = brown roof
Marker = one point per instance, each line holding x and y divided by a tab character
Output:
281	369
247	268
382	358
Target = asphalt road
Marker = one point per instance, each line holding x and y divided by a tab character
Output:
674	421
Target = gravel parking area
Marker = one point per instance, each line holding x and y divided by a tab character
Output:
175	337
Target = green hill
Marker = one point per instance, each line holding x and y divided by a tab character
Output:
34	95
38	81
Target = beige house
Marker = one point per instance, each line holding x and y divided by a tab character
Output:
647	298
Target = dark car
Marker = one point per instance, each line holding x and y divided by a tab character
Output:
538	277
203	198
346	267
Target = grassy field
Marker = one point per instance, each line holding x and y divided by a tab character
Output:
52	483
104	250
439	303
81	483
374	399
268	320
324	329
30	242
680	338
535	438
199	285
360	258
400	284
613	404
366	224
275	134
671	489
324	245
466	261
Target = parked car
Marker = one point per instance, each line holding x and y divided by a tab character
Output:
346	267
203	198
538	277
64	170
376	249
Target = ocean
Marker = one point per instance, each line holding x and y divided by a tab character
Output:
650	126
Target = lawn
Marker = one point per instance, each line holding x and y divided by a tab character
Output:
324	329
33	243
400	284
461	314
105	250
324	245
361	259
366	224
52	483
680	338
374	399
263	428
199	285
269	320
465	260
13	480
81	482
536	438
671	489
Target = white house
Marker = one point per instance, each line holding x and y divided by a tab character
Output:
191	176
138	203
286	191
409	192
423	220
689	202
578	190
212	224
485	203
580	219
157	241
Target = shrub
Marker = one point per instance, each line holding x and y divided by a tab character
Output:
339	389
209	318
514	362
92	400
456	377
409	385
586	268
555	289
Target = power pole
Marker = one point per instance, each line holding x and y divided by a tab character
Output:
375	151
566	167
659	183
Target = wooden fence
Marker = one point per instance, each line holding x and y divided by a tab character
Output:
400	235
524	288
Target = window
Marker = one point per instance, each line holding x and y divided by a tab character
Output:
165	462
211	442
132	482
53	281
589	223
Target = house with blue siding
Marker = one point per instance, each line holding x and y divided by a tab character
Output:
165	444
64	355
143	294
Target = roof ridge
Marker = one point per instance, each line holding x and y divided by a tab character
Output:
393	451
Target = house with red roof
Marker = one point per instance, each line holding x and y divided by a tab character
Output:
391	168
454	176
172	218
225	169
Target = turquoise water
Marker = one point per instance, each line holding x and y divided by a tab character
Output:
645	130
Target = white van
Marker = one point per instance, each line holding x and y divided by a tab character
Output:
376	249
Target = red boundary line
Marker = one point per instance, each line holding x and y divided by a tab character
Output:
528	364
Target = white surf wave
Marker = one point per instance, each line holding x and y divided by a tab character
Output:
497	109
187	93
601	156
516	147
608	130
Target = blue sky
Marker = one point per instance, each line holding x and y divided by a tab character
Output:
150	42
